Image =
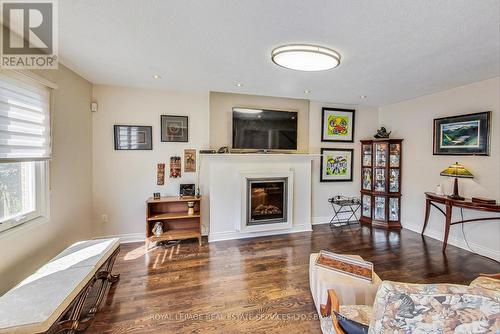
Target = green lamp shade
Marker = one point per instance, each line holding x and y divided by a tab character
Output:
457	170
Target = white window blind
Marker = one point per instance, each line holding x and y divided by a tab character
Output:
24	119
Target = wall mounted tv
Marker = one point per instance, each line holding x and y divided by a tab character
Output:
262	129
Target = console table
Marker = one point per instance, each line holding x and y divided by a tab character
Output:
431	199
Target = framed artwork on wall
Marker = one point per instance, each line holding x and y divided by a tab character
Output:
337	125
336	164
133	137
463	135
189	160
174	128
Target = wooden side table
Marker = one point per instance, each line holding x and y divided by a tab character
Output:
431	199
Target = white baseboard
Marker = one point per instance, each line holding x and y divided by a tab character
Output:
221	236
127	238
326	220
458	242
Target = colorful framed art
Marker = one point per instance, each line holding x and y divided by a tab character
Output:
336	164
463	135
133	137
174	128
337	125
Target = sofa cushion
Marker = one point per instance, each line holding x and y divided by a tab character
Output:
434	308
350	318
359	313
486	283
350	326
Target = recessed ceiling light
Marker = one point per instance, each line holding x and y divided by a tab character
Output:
307	91
363	96
156	76
239	84
304	57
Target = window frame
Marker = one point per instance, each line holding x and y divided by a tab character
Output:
42	200
41	213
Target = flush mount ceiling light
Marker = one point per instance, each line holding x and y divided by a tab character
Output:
304	57
156	76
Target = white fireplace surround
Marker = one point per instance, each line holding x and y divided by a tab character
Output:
224	187
271	174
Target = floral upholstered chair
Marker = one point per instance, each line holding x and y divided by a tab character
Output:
422	308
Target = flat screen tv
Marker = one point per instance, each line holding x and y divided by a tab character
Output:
262	129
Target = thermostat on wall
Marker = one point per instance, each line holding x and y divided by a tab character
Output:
93	106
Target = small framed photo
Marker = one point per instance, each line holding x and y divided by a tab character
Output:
174	128
463	135
336	164
133	137
337	125
187	190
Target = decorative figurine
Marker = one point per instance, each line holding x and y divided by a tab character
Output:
190	206
158	229
382	133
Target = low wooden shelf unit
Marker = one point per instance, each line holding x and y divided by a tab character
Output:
172	212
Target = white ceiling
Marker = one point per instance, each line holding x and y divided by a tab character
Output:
391	50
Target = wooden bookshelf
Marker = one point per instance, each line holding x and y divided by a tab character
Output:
173	213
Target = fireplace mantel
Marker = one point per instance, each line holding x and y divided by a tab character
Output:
267	156
224	180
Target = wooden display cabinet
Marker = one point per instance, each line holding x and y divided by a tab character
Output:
381	182
173	213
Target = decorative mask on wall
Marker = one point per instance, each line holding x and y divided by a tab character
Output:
160	174
175	167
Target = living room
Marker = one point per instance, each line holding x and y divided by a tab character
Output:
233	167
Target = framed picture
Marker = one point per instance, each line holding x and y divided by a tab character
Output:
189	160
337	125
174	128
133	137
186	189
463	135
336	164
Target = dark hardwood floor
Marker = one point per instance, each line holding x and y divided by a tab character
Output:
261	285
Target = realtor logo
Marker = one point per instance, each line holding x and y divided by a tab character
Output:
29	34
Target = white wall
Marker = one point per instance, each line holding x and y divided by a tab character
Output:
26	248
124	180
413	121
366	120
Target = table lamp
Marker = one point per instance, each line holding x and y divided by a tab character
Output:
456	170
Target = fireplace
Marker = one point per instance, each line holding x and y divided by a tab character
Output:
267	201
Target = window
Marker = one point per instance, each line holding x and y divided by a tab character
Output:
24	150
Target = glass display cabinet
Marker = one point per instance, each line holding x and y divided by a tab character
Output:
381	182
